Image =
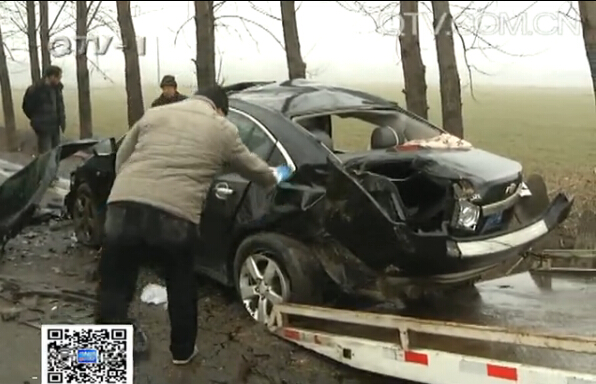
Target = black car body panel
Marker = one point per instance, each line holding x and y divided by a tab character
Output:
21	193
367	216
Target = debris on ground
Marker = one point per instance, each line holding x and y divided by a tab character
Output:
154	294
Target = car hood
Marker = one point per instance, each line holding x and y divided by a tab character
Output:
22	192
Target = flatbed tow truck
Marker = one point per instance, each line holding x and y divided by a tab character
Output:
536	327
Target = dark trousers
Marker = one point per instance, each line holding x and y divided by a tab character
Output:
47	140
134	234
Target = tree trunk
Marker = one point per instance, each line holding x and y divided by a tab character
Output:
44	35
451	107
32	39
205	31
296	66
10	124
411	60
132	70
587	12
83	86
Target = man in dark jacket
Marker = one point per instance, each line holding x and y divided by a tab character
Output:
43	105
169	92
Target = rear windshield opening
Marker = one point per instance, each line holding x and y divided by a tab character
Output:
347	132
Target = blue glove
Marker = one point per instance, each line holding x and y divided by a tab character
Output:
282	173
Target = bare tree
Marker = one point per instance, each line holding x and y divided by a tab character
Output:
205	38
451	106
44	34
83	83
211	13
22	15
132	69
296	66
587	12
10	125
32	40
411	60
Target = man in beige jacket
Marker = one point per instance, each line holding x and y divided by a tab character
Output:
164	168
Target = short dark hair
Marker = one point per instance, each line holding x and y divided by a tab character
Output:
52	70
217	95
168	80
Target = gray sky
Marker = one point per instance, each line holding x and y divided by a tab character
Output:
342	46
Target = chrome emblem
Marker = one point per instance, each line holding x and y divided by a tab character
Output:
510	189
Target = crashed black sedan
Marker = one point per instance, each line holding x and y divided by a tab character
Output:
420	207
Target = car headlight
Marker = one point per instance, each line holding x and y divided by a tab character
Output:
466	215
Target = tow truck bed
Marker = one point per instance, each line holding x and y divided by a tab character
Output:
516	329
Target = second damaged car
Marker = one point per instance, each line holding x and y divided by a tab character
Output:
418	208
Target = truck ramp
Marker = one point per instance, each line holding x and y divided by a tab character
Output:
531	328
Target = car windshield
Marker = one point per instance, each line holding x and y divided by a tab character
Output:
351	131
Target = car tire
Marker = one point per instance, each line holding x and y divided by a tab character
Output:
87	218
299	273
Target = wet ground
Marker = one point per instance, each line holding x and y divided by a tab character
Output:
52	280
43	263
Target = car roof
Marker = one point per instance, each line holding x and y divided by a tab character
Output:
300	97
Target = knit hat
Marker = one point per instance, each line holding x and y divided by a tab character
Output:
168	80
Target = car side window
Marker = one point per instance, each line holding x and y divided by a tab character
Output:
255	139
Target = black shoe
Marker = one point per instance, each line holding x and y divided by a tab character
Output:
187	360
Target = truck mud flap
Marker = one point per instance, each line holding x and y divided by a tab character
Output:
21	193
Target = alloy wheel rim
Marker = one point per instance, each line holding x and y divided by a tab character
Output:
262	284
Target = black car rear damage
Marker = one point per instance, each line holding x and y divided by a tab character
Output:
387	214
426	187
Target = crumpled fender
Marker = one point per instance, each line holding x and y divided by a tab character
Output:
21	193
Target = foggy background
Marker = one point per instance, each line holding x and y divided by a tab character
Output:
337	45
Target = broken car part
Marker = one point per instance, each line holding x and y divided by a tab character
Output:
21	193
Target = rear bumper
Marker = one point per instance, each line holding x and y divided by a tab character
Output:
473	256
503	243
520	238
464	259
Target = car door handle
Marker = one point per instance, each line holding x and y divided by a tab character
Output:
223	191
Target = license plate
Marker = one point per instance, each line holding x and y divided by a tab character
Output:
493	220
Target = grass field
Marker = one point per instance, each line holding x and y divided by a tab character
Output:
551	131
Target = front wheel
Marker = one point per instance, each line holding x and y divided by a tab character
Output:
87	217
270	269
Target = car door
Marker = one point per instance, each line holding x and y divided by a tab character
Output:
226	203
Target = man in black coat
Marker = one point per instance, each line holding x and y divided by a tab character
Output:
43	105
169	92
